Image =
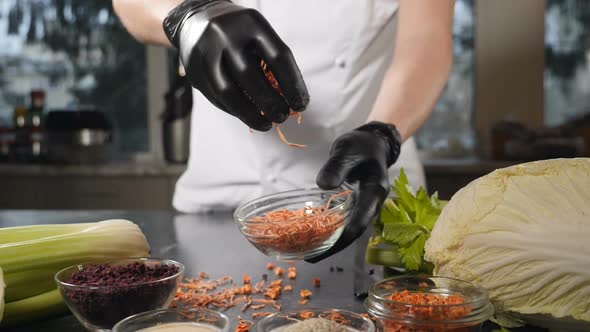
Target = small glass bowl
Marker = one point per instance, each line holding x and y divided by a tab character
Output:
292	238
399	316
197	317
99	308
279	321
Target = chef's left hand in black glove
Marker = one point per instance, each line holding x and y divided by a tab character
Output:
363	156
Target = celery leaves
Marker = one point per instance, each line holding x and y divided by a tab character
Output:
406	222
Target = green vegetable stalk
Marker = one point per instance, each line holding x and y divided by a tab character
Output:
1	294
31	255
404	227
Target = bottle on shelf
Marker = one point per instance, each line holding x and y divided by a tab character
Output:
21	134
6	142
36	130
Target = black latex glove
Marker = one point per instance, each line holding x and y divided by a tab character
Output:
361	156
221	46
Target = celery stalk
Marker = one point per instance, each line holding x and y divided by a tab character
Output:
79	243
33	308
382	256
28	283
31	255
1	294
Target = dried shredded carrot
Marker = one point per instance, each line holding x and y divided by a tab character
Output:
243	325
270	266
303	302
305	293
417	305
336	317
273	292
247	279
296	231
316	282
288	288
261	314
279	271
292	272
257	306
278	282
275	84
306	314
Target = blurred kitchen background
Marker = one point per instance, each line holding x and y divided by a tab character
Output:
92	119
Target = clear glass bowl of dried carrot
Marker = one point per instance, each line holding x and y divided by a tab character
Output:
297	224
428	304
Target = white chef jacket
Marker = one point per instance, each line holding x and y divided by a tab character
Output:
343	48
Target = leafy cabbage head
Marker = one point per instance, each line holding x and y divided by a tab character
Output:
523	233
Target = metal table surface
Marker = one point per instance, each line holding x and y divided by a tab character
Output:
212	243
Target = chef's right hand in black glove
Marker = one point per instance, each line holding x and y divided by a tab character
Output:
221	46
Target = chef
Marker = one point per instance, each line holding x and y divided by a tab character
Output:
363	74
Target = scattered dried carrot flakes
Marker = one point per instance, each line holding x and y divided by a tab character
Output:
303	302
316	282
288	288
261	314
292	274
243	325
270	266
306	314
305	293
247	279
279	271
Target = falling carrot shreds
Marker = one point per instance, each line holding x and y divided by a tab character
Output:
296	231
247	279
316	282
261	314
279	271
303	302
275	84
284	139
288	288
306	314
270	266
305	293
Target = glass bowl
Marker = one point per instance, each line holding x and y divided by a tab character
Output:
466	315
99	308
168	320
320	219
281	320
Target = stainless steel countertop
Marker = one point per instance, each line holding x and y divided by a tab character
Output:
213	244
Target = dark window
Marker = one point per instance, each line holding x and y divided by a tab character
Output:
449	131
80	54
